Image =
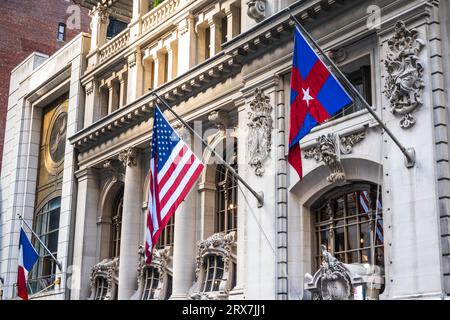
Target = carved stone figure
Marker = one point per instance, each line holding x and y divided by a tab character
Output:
328	150
404	82
260	131
256	9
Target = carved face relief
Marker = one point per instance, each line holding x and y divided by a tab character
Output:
404	83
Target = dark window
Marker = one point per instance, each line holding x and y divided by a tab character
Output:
166	67
359	74
115	27
167	235
224	30
226	195
213	269
46	227
61	32
116	226
101	288
345	224
207	43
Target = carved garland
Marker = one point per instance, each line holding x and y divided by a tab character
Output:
404	83
328	150
260	131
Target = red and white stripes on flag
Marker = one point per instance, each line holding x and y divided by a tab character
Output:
174	168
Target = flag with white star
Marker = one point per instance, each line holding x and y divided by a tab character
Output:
316	95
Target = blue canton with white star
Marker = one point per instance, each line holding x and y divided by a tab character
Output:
164	138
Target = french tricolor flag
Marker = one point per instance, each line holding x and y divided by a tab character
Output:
27	258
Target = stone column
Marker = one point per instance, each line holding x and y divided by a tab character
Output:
130	240
92	108
184	249
140	7
215	39
135	76
84	251
123	91
172	62
233	17
185	245
187	41
99	22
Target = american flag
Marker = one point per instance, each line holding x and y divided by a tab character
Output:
174	168
366	208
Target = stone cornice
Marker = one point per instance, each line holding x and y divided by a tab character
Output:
203	76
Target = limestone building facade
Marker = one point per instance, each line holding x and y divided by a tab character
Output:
77	153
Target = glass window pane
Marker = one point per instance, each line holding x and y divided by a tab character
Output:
339	240
339	209
53	242
352	237
54	219
351	204
365	235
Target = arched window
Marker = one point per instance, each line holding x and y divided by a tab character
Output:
226	194
151	278
46	226
349	222
214	269
116	225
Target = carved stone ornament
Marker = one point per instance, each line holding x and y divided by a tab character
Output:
260	131
108	270
220	119
102	11
256	9
336	280
219	244
329	149
128	157
404	82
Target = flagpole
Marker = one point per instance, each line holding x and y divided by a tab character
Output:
409	153
258	196
40	241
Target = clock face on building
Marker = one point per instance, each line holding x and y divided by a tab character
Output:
57	141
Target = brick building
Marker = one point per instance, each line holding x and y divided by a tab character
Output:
27	28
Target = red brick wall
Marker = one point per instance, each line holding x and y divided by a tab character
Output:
27	26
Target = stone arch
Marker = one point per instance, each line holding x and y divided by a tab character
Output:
111	190
300	199
207	182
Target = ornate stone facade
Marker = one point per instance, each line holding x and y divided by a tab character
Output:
329	149
108	271
256	9
405	71
260	131
219	244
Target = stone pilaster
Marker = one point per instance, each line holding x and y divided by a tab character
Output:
84	251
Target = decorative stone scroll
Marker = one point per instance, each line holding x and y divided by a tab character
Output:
256	9
128	157
329	149
107	269
404	82
260	131
219	244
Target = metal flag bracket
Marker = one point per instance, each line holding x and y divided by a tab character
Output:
258	195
